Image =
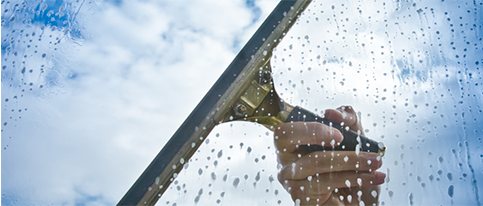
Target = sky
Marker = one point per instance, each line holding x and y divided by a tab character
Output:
92	90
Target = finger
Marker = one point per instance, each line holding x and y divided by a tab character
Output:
369	195
330	161
318	188
289	136
345	114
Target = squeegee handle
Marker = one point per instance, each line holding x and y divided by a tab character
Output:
351	140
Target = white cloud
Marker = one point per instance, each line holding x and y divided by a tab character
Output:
110	101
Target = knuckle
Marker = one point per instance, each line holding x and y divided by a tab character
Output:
318	127
298	193
280	178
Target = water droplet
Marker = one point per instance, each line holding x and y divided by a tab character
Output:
374	193
197	198
450	191
236	182
411	198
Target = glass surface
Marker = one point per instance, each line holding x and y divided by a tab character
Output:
413	71
92	90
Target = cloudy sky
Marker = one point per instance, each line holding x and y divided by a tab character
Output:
92	90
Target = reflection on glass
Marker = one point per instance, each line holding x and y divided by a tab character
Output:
81	108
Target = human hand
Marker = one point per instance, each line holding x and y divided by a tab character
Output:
326	177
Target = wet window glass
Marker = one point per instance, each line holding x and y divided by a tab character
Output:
93	90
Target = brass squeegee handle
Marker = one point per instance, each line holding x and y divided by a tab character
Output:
351	142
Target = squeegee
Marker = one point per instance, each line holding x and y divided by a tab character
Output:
244	92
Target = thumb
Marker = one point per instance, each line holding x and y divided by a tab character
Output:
345	114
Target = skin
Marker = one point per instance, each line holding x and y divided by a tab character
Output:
326	177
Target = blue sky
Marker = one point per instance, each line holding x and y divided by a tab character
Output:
92	90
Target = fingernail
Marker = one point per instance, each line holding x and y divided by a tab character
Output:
337	135
341	108
342	112
379	178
